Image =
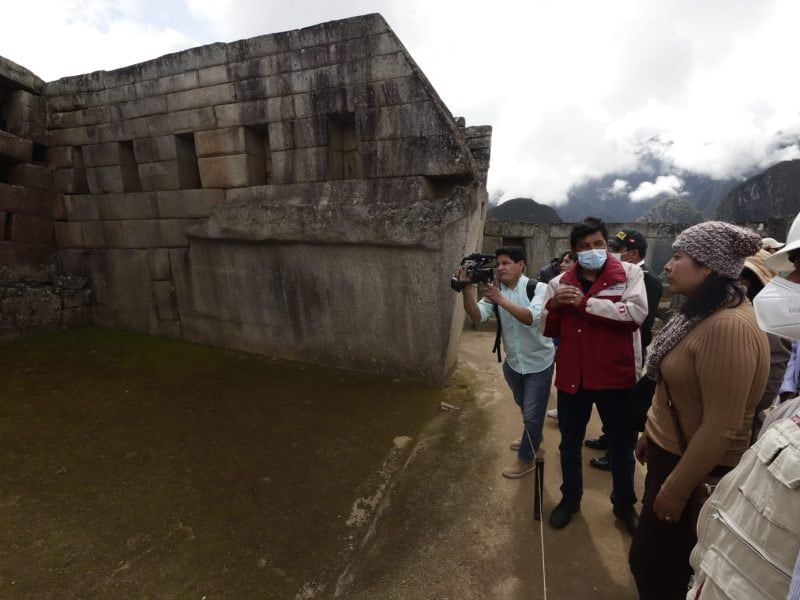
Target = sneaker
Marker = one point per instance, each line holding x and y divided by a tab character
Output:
601	462
553	413
515	445
600	443
562	513
518	469
629	517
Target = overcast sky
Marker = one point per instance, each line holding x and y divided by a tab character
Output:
574	89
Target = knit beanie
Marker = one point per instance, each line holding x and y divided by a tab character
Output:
720	246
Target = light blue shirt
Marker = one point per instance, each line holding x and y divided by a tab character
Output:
527	350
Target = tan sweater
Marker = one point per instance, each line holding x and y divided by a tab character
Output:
716	375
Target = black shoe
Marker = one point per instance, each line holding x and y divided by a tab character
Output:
562	514
629	517
600	443
601	462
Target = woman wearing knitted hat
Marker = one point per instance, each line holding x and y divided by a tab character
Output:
711	363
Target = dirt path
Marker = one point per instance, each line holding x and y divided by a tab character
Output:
455	528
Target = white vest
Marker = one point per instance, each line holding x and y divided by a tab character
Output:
749	529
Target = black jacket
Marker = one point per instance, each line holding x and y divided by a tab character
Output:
654	292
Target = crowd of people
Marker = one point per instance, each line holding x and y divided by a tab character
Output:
714	395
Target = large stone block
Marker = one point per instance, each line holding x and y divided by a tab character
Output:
64	156
232	140
122	131
185	121
33	176
167	85
70	181
85	234
187	60
241	113
113	179
76	84
264	45
123	290
298	133
108	154
77	208
188	204
151	233
300	166
201	97
166	305
21	106
15	148
20	77
26	262
30	229
169	175
16	199
165	147
120	207
35	132
134	109
159	264
235	170
431	156
213	76
344	29
421	119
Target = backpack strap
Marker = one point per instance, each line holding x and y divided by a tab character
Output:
530	289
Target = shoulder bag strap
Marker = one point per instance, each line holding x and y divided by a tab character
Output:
497	338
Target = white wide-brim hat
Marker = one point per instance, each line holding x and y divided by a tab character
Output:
780	260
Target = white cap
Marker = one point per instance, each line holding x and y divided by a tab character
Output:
780	260
771	244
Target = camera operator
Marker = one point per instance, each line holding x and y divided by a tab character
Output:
528	368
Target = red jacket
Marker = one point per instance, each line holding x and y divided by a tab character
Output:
599	343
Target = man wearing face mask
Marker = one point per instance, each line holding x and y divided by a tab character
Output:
596	310
630	246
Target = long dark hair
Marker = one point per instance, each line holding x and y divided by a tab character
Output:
715	292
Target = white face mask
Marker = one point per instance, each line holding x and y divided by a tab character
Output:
777	308
616	255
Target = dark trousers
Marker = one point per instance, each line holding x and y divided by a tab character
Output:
659	555
574	411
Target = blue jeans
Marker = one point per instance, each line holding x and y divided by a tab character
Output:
531	392
574	411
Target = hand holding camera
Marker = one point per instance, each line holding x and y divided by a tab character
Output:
474	269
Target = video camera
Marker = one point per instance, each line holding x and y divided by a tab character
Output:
477	268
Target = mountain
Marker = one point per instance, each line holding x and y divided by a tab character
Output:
672	210
771	194
523	210
608	197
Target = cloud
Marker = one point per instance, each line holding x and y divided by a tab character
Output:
619	187
664	185
56	38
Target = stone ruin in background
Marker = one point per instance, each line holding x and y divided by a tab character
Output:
304	195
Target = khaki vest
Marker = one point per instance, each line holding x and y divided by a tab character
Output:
749	530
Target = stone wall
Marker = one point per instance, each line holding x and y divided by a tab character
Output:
302	194
34	294
543	241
